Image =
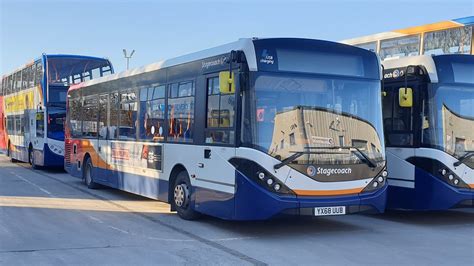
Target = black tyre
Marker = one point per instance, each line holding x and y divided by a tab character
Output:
182	197
88	176
31	159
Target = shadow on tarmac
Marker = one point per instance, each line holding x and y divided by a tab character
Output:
429	218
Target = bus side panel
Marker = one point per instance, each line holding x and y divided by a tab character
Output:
3	132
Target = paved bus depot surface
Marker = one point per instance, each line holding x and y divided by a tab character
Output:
48	217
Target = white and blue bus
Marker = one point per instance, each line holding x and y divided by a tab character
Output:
428	110
243	131
33	100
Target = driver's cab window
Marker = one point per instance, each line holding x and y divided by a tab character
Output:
40	124
397	120
220	114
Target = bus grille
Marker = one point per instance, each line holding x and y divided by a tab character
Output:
67	155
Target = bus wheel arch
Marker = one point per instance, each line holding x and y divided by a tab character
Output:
179	193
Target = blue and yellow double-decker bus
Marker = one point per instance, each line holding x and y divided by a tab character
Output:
33	105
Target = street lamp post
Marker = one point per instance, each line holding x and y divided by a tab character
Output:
128	57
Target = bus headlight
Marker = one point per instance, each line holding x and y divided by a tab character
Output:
451	178
377	182
259	175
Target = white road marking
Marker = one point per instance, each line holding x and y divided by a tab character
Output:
33	184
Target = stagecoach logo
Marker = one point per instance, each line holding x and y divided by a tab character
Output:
311	170
214	62
267	58
333	171
394	74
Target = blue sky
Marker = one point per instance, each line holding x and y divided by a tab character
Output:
165	29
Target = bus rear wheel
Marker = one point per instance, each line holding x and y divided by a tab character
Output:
88	177
31	158
182	197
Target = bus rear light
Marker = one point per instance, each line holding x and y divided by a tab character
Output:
384	173
261	175
380	179
375	184
456	181
269	181
451	177
443	171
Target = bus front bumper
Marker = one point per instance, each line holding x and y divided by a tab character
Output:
429	193
253	202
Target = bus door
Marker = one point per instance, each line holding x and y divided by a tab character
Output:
103	147
399	112
214	170
26	128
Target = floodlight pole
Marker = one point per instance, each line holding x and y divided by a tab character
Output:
128	57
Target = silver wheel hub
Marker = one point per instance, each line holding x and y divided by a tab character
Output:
181	195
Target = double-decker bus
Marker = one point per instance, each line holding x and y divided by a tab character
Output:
444	37
428	110
33	105
244	131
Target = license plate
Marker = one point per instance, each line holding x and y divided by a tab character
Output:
334	210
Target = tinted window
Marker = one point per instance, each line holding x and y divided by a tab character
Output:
75	109
220	114
181	112
152	112
400	47
90	113
450	41
127	115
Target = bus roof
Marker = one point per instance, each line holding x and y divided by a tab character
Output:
52	56
244	44
442	25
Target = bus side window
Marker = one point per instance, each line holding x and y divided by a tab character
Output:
40	124
220	114
181	112
114	115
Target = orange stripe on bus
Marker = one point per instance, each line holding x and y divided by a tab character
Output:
327	192
471	185
429	27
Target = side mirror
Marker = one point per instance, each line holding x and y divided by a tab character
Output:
405	97
39	116
226	82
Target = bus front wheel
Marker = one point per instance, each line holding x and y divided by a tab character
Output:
182	197
88	177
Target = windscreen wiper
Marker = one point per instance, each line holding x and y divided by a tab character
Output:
298	154
464	158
